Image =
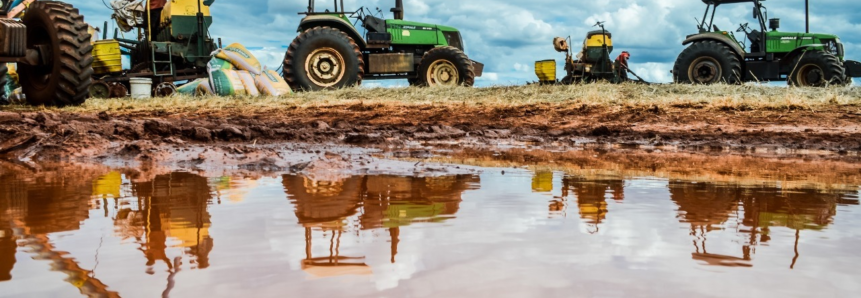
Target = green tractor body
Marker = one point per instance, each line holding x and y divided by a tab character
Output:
335	51
761	53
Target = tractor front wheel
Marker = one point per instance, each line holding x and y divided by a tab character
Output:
66	78
707	62
323	58
446	66
816	69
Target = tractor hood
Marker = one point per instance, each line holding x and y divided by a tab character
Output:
418	26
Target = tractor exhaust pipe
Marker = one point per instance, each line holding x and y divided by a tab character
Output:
807	16
399	9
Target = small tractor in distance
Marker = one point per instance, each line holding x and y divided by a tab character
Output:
51	46
330	52
591	63
802	59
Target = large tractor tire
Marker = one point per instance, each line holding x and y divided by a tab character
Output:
4	98
817	69
446	66
707	62
66	79
323	58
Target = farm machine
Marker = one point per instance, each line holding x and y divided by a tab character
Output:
330	52
170	43
803	59
50	44
591	63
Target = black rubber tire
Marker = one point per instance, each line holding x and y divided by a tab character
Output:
294	70
465	70
4	98
67	80
829	67
727	64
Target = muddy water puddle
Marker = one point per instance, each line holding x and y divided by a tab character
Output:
593	230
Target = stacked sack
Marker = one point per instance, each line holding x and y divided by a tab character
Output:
233	70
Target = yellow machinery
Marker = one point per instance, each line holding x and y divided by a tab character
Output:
174	49
591	63
107	57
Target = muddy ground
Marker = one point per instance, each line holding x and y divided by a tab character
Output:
40	135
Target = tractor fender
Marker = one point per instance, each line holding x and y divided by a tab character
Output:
790	57
315	21
716	37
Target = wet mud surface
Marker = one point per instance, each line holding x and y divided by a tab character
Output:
52	135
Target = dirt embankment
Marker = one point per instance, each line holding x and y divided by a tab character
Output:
41	134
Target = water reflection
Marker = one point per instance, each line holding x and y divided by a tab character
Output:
376	202
752	211
591	195
159	232
33	207
174	206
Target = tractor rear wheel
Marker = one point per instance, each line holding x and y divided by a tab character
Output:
446	66
4	98
817	69
707	62
323	58
66	78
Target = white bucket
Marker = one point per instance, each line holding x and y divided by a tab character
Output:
141	87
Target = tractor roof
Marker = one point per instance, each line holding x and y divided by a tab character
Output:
718	2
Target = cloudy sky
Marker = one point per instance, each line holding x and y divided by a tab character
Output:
508	36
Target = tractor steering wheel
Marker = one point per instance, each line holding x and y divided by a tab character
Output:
744	28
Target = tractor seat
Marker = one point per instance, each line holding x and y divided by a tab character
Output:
374	24
754	36
599	32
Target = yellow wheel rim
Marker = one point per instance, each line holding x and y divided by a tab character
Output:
442	73
810	75
325	67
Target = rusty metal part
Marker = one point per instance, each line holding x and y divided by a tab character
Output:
100	89
560	44
164	89
391	63
119	90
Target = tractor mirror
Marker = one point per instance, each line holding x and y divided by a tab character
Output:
755	15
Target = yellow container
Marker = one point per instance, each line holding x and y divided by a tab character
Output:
107	57
597	40
546	70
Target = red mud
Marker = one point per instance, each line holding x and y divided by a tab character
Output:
63	135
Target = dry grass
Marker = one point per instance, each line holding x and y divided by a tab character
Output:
724	97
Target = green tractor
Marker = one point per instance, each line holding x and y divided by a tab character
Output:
802	59
330	52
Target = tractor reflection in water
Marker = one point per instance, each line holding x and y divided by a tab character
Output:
172	206
591	195
368	203
47	202
753	211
